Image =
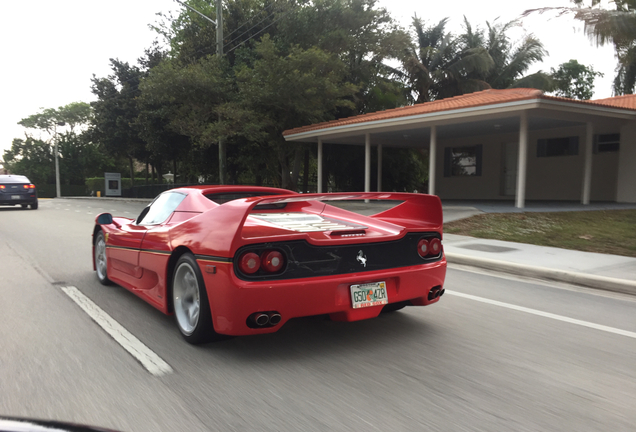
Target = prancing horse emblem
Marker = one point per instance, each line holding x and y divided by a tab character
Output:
362	258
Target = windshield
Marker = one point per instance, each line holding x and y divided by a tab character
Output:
161	208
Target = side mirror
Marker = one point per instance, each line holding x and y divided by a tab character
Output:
105	219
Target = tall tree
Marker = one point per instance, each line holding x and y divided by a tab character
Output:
115	113
438	66
615	25
574	80
511	60
292	90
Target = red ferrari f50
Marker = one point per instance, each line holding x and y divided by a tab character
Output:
236	260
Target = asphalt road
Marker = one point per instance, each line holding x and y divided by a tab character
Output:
495	354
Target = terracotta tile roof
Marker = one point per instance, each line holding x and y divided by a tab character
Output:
471	100
625	101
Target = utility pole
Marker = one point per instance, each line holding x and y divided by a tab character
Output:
219	52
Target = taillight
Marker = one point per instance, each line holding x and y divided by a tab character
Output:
249	263
29	186
2	186
272	261
429	247
423	248
435	246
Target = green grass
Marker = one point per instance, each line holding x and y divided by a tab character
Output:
609	232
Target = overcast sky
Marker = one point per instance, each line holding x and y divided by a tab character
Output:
53	48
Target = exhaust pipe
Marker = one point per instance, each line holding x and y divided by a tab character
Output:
274	318
260	319
435	292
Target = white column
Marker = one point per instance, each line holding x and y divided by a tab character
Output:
379	167
367	162
319	186
432	157
587	168
522	161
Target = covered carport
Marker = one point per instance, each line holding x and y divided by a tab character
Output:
490	118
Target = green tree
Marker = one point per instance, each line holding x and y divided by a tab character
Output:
511	60
574	80
437	66
33	158
287	91
63	126
115	113
615	25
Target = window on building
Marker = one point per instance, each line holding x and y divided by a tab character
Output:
565	146
462	161
607	143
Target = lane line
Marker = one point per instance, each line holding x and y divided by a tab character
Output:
151	361
545	314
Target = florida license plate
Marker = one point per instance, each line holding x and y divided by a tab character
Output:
369	294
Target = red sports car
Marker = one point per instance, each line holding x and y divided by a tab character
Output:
237	260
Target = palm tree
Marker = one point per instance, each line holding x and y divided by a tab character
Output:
511	61
436	66
617	27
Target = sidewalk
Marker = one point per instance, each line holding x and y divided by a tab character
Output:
600	271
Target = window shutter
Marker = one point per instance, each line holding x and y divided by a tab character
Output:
573	147
478	153
448	162
542	147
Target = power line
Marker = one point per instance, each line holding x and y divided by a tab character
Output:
261	30
250	19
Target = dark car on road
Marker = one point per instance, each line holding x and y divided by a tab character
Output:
17	189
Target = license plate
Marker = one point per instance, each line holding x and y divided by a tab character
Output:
16	196
369	294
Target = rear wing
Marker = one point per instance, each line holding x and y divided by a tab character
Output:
227	220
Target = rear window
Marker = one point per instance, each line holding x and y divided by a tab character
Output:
13	179
222	198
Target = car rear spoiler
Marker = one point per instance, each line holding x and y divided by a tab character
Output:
229	218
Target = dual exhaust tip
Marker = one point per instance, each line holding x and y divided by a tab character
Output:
435	292
263	319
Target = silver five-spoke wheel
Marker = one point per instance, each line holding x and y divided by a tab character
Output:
190	302
101	262
187	300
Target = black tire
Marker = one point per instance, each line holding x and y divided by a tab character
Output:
100	259
34	205
190	302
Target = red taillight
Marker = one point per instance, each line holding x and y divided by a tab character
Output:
435	246
29	186
272	261
2	186
249	263
423	248
429	247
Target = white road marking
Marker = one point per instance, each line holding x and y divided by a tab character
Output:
546	314
151	361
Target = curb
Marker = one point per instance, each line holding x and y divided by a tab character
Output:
582	279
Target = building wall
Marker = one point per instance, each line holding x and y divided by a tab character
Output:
627	165
548	178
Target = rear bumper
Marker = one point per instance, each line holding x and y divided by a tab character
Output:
22	200
233	300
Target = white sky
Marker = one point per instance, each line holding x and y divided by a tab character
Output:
53	48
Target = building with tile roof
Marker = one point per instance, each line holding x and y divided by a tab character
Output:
502	144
